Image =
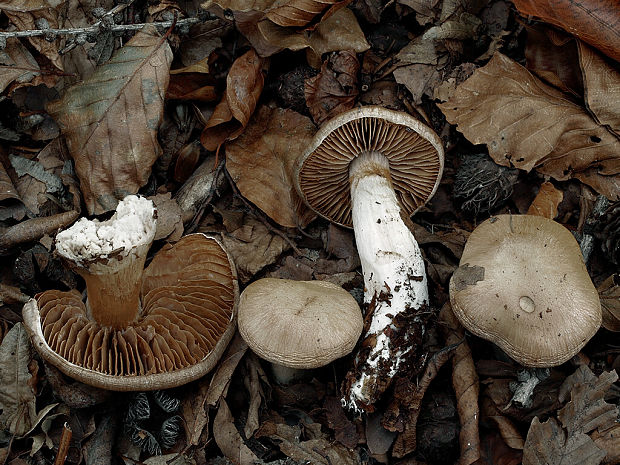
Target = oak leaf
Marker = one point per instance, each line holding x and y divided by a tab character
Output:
528	124
110	120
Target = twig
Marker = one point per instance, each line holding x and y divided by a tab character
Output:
63	446
95	29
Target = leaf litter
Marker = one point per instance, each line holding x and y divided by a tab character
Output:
249	84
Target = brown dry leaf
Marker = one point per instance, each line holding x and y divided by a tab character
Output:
424	10
16	64
597	22
261	163
315	449
299	13
465	384
8	192
339	31
191	87
553	57
253	247
528	124
244	84
602	87
228	438
345	431
552	443
608	441
609	292
546	202
197	47
110	120
24	14
496	452
252	377
334	89
169	222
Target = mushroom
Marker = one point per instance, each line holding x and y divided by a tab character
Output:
298	325
371	168
522	284
139	329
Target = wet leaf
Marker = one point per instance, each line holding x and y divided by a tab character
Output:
528	124
546	201
261	163
110	120
597	22
609	292
334	89
17	398
244	85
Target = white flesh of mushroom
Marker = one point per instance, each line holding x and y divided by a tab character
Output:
392	265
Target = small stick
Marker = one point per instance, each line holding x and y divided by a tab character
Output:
63	446
35	228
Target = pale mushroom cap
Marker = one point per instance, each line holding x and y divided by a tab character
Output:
414	152
189	303
299	324
522	285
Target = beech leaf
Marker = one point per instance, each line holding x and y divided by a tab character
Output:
16	64
110	120
299	13
546	202
261	163
17	400
609	292
528	124
597	22
244	85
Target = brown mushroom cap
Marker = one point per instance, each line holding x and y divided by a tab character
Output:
414	152
522	285
189	299
299	324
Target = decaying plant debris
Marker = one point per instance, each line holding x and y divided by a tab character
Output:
204	107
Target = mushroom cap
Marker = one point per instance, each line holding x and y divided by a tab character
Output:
189	300
299	324
522	285
414	152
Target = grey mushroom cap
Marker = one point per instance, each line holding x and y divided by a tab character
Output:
415	154
299	324
522	285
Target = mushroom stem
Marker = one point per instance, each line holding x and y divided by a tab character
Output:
113	291
394	280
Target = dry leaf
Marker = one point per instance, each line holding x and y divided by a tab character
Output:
299	13
602	87
110	120
334	89
528	124
548	443
546	202
18	412
169	222
424	12
345	431
261	163
25	14
244	84
228	438
253	247
597	22
465	384
16	64
609	292
191	87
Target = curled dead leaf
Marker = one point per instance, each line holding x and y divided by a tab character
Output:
609	292
244	84
546	202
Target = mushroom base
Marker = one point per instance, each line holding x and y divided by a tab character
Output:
394	279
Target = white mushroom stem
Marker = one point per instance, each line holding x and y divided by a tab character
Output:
394	279
110	256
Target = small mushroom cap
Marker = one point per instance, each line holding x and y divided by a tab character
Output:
299	324
522	285
189	302
414	152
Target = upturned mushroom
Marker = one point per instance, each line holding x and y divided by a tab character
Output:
372	168
139	329
298	325
522	284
